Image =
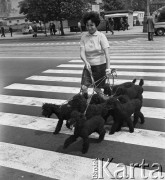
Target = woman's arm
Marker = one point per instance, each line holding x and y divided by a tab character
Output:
106	52
83	57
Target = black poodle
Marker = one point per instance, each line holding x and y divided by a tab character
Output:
124	99
78	102
97	99
132	92
122	112
108	90
83	128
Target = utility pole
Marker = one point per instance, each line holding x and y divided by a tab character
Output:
146	14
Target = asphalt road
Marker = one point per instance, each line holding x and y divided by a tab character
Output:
19	60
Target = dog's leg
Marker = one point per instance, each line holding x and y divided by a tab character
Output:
136	117
101	135
67	125
58	127
114	127
130	125
141	117
85	145
119	126
69	141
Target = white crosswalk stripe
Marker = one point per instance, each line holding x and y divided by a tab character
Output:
131	59
149	112
115	66
72	90
78	80
139	137
133	74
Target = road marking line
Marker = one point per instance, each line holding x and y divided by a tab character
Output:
149	112
127	61
141	74
78	80
139	137
56	165
116	66
72	90
28	101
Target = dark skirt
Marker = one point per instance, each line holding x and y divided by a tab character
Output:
98	73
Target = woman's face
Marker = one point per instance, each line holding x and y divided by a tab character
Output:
91	27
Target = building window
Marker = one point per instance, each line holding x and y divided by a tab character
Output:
10	21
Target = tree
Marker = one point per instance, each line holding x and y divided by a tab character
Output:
110	5
139	5
50	10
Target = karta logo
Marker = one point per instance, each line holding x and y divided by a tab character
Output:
103	169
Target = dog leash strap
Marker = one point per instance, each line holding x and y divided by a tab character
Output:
88	103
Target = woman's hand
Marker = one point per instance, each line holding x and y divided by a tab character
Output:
108	71
88	66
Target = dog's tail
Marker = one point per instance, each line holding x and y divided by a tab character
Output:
134	80
141	83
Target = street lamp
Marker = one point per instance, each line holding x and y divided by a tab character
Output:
44	15
146	15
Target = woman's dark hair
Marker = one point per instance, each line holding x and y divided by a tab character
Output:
93	16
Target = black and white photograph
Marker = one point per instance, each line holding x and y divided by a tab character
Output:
82	89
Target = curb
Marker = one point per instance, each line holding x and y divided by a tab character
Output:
65	37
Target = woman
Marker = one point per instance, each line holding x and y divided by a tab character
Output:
94	53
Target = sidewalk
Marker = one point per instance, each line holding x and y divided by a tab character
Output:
136	30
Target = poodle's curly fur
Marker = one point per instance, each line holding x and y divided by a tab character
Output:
78	102
83	128
112	90
122	112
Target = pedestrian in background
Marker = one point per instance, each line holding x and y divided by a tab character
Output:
11	31
94	52
111	25
79	26
2	31
54	29
150	28
35	29
107	25
50	28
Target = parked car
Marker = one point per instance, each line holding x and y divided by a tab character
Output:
159	28
27	30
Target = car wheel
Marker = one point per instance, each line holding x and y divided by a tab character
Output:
160	32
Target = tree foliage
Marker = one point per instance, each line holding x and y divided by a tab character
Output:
139	5
50	10
110	5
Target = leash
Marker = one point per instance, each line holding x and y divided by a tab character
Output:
113	74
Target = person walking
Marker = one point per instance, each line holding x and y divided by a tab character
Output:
35	29
54	29
51	29
107	25
150	28
11	30
79	26
111	25
2	31
94	53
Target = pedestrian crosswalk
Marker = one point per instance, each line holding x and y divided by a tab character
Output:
28	145
58	43
52	43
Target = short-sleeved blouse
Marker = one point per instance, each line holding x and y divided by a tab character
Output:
94	45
